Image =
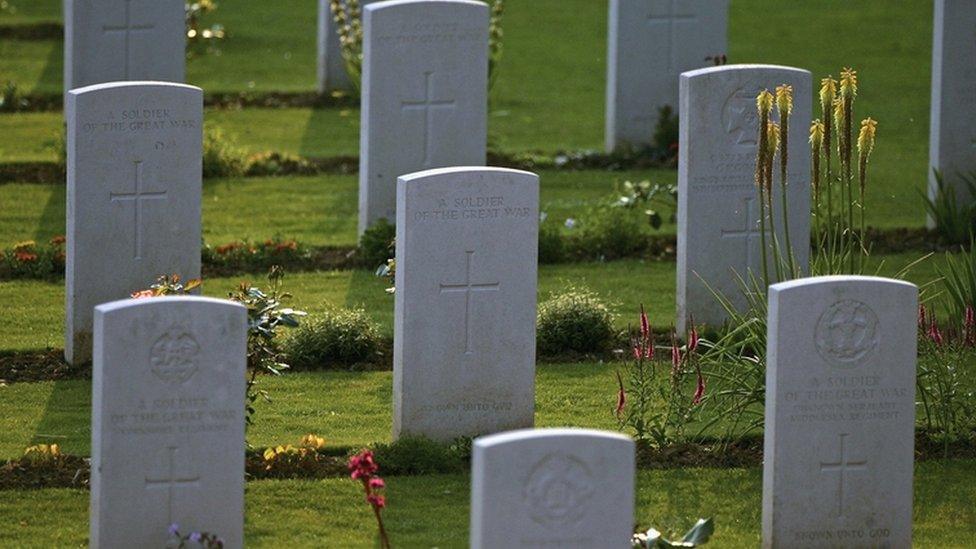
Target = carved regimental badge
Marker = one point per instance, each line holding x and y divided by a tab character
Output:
847	333
739	117
173	357
558	490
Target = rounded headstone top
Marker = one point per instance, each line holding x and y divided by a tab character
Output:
377	6
131	303
134	84
726	69
821	281
463	170
538	435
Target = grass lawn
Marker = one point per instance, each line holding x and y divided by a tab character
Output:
549	94
432	511
34	316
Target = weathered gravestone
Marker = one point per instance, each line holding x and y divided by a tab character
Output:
464	321
718	212
133	204
840	413
424	94
113	40
952	125
650	43
552	488
168	420
332	74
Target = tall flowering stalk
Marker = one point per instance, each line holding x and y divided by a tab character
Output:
363	467
848	91
816	143
764	105
784	104
865	146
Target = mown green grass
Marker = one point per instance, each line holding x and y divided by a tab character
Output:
315	210
432	511
34	316
549	93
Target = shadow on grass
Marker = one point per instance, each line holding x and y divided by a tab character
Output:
66	417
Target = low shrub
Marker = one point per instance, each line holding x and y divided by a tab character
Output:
376	245
337	337
275	163
552	245
243	255
419	456
31	260
575	321
607	233
222	157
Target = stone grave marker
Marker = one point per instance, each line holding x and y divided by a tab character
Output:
552	488
952	124
840	413
424	94
465	308
332	74
116	40
168	420
650	43
718	214
133	195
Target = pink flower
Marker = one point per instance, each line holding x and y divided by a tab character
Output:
699	389
376	501
621	396
645	324
934	334
692	337
142	294
969	326
675	354
376	483
649	351
638	353
362	465
921	316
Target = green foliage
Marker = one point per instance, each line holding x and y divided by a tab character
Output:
575	321
222	157
699	534
552	245
376	245
414	455
957	276
650	197
243	255
200	39
608	233
335	338
954	220
11	99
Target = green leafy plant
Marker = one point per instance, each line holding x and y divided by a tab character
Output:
574	321
651	197
608	233
957	277
418	455
639	397
336	337
377	243
946	354
347	15
699	534
11	99
287	461
954	219
246	255
222	157
552	245
29	259
665	137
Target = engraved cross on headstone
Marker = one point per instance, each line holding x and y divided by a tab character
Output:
126	29
427	105
842	466
467	288
171	482
750	234
137	197
670	20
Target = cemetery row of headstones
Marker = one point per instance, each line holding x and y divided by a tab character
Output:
168	425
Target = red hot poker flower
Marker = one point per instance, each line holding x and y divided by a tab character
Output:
921	316
934	333
699	390
693	337
621	396
645	324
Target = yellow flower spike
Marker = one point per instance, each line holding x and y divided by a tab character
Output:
764	102
848	83
784	99
865	141
773	143
828	90
838	113
816	135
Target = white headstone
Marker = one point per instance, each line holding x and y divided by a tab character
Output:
114	40
134	188
718	210
168	420
424	94
332	74
650	43
952	133
552	488
840	413
464	321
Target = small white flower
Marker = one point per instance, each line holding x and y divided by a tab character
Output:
570	223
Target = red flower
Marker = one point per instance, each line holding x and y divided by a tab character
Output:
969	326
25	256
621	396
142	293
699	389
376	483
362	465
675	354
638	353
934	334
376	500
921	316
692	337
645	324
58	240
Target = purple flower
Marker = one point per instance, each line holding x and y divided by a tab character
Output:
195	537
174	529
